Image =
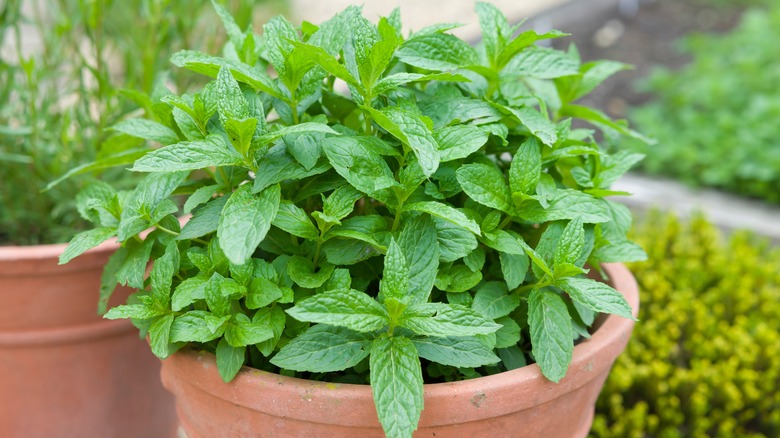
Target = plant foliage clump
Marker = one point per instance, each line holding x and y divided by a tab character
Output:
715	120
704	360
379	209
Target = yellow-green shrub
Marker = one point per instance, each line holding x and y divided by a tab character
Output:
704	359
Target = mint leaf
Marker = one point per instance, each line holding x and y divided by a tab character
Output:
462	352
210	66
261	292
160	335
132	311
539	125
486	185
200	196
514	267
571	243
342	308
509	333
340	203
419	245
323	349
327	61
542	63
231	103
443	320
197	326
413	133
188	291
147	130
566	204
295	221
495	30
595	295
445	212
240	331
455	242
229	360
493	301
551	333
301	271
459	141
205	220
364	169
437	51
397	385
395	277
245	220
526	167
84	241
192	155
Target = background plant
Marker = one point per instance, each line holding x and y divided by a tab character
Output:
435	215
712	118
703	361
63	69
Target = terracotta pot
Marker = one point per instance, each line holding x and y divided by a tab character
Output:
65	371
518	403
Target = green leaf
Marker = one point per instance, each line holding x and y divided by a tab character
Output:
204	221
437	51
363	168
131	271
234	33
84	241
444	320
327	62
551	333
229	360
189	155
261	292
512	357
274	318
189	290
341	202
323	349
514	267
277	166
395	80
445	212
240	331
147	130
301	271
160	335
395	277
542	63
539	125
595	295
305	148
459	141
566	204
524	40
245	220
300	128
200	196
486	185
343	308
454	241
210	65
594	73
197	326
509	333
231	103
218	302
526	167
161	277
295	221
601	120
132	311
397	385
419	245
413	133
457	278
461	352
495	29
493	301
571	244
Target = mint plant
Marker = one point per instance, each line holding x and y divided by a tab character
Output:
381	209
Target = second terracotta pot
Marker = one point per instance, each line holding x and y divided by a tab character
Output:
518	403
65	371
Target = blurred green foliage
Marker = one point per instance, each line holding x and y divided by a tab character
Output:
63	67
716	120
703	360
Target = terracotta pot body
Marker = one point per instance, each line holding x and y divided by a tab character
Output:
518	403
65	371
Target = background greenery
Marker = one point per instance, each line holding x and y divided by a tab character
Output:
716	119
64	67
702	361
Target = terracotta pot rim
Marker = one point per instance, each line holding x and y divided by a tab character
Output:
101	329
587	364
43	259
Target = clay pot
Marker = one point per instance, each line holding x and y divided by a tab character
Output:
518	403
65	371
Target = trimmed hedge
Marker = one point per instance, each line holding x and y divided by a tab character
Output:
704	359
